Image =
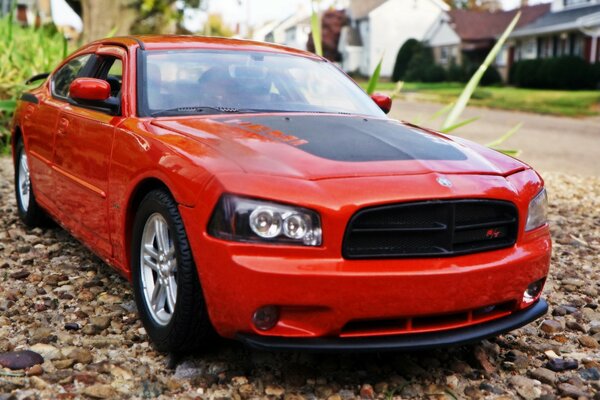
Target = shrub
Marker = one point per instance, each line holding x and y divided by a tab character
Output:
433	73
567	72
491	77
405	55
456	73
420	64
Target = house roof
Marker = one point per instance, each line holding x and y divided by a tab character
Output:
557	21
485	25
360	9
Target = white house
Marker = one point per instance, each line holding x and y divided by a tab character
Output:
293	31
380	27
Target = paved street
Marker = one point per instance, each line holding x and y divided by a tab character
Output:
548	143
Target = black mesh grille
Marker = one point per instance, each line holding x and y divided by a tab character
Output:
431	229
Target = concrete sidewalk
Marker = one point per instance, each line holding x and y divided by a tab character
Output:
548	143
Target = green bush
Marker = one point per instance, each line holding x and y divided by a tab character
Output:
456	73
420	67
405	54
491	76
433	73
567	72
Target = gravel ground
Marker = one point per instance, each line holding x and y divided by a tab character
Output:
60	301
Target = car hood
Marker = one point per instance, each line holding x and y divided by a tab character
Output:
326	146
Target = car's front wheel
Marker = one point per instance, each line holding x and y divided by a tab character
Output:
29	210
166	284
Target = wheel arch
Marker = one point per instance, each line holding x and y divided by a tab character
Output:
14	138
136	196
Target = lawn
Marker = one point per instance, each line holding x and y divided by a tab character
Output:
555	102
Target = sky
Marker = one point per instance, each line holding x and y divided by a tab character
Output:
261	11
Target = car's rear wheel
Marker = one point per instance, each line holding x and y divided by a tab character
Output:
166	284
29	210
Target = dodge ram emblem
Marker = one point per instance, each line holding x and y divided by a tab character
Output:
444	181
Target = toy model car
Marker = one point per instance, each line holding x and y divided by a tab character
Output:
255	191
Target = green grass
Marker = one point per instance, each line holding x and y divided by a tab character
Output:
554	102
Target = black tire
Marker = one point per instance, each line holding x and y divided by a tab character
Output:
189	328
31	213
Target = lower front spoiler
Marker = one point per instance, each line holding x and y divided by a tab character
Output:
409	342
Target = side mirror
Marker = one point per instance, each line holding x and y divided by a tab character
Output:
89	90
383	101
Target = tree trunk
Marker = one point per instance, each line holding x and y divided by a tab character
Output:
103	17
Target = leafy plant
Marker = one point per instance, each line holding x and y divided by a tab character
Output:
372	86
315	25
24	52
464	97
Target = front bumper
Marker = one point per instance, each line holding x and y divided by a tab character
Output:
414	342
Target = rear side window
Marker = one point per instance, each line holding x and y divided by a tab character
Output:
63	77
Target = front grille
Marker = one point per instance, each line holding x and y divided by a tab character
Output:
431	229
426	323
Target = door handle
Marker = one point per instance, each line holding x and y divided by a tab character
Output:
63	124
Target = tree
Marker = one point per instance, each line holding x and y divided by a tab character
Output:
122	17
405	54
216	27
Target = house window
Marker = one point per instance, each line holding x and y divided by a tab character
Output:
502	58
569	3
444	55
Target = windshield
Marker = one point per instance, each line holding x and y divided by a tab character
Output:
187	82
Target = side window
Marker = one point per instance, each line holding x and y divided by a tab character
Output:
63	77
110	69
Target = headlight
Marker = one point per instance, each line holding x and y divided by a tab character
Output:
538	211
249	220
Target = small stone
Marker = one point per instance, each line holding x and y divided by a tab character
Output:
564	310
274	390
80	355
590	374
20	359
559	365
72	326
246	390
551	326
38	383
99	391
100	322
588	341
35	370
482	356
47	351
575	326
367	392
544	375
20	275
64	364
572	391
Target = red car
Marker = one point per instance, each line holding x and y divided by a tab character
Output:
256	192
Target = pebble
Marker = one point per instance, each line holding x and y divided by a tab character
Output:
558	364
588	341
100	391
367	391
590	374
573	391
551	326
544	375
20	359
47	351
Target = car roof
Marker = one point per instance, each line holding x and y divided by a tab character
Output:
179	42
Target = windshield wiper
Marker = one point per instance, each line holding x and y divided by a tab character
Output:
192	111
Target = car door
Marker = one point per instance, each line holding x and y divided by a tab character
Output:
82	155
40	124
